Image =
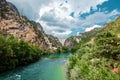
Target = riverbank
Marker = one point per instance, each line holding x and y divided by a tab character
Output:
44	69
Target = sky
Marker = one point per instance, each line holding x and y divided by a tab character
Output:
64	18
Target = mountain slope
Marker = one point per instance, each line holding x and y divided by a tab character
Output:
12	23
21	41
73	42
97	55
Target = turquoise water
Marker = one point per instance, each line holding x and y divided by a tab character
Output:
45	69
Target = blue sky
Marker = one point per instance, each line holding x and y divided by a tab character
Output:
63	18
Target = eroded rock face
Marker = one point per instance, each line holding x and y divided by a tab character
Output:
11	22
71	41
54	40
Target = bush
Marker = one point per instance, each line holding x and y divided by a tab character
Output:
108	45
15	52
94	61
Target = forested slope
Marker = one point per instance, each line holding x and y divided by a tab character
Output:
98	56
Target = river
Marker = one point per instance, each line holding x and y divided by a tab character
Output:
51	67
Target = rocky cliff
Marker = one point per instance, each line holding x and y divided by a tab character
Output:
12	23
53	41
71	41
74	40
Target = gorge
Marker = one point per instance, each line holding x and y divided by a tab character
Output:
27	52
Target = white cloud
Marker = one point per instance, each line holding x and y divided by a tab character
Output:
78	33
83	6
91	28
30	8
98	18
67	32
55	20
55	17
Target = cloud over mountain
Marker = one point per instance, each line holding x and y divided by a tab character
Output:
63	18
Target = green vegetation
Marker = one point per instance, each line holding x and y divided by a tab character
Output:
62	50
15	52
84	38
95	61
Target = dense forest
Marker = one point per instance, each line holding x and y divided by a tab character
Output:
97	56
15	52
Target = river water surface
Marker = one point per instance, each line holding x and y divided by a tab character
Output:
48	68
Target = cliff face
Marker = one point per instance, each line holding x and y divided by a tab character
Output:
12	23
62	40
54	40
72	41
